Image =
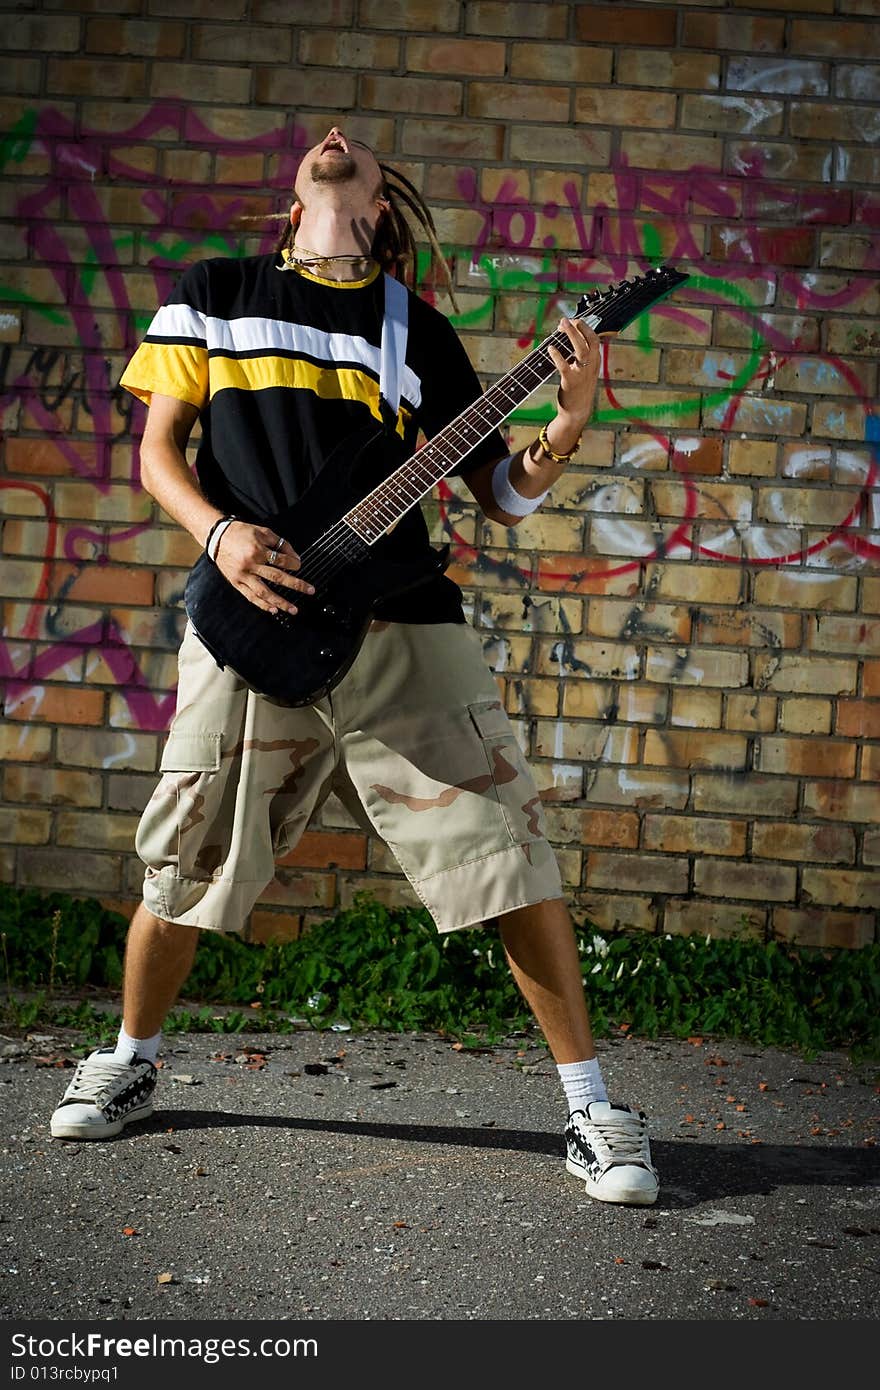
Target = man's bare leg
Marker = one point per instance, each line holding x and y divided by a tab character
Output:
158	958
607	1145
109	1090
541	950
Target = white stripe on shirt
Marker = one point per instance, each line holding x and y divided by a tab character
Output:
277	335
177	321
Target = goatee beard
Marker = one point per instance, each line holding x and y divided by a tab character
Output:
335	171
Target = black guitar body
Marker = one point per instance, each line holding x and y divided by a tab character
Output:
295	659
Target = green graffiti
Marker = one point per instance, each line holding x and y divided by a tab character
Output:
15	147
654	252
724	288
545	295
736	295
180	249
501	279
16	144
10	295
91	267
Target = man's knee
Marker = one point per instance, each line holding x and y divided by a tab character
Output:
146	927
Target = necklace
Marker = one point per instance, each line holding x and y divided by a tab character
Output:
301	255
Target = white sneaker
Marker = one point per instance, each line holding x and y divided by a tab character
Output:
104	1096
607	1146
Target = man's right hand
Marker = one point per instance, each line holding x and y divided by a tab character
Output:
242	555
243	558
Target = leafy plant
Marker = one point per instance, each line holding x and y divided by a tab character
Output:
375	968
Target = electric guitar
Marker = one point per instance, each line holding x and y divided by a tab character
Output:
340	527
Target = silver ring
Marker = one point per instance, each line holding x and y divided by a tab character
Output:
273	556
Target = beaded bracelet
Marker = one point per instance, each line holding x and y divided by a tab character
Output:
554	457
213	538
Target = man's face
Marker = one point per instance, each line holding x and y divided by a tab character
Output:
342	162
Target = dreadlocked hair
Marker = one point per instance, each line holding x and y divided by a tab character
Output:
394	244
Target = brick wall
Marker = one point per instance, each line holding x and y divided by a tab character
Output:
688	633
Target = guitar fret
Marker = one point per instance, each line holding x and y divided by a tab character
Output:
470	430
384	496
449	458
408	482
511	395
358	525
383	514
424	464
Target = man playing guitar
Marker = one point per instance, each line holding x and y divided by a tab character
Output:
280	358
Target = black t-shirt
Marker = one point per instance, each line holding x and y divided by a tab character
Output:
283	367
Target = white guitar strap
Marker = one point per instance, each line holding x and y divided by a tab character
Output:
393	351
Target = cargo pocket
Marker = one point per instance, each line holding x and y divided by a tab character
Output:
173	828
511	778
191	753
490	719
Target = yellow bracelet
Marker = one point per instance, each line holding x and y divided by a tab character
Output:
556	458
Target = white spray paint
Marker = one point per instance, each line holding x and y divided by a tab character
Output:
124	753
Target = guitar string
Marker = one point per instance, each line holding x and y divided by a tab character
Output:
337	536
333	559
342	543
535	364
332	549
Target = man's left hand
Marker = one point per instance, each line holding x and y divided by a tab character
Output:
578	378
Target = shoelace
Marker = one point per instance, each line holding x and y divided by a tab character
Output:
94	1082
625	1138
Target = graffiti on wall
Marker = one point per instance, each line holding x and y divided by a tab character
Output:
542	256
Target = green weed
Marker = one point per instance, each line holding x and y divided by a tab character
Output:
371	967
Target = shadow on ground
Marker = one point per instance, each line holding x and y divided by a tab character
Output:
691	1171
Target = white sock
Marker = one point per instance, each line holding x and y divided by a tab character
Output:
582	1083
147	1049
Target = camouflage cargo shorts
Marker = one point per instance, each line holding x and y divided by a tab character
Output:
414	741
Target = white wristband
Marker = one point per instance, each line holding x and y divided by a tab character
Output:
216	535
506	495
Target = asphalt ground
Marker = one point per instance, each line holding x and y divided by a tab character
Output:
344	1176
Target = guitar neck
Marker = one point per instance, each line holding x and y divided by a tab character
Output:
413	480
607	311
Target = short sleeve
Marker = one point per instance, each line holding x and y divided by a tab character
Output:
172	360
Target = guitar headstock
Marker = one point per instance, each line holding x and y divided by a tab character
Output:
611	309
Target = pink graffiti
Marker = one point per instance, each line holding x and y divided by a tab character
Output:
75	159
603	244
681	535
612	235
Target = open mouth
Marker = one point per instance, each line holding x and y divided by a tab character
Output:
335	141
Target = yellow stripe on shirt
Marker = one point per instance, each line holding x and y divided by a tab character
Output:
328	382
168	369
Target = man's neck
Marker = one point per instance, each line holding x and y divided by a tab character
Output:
335	232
